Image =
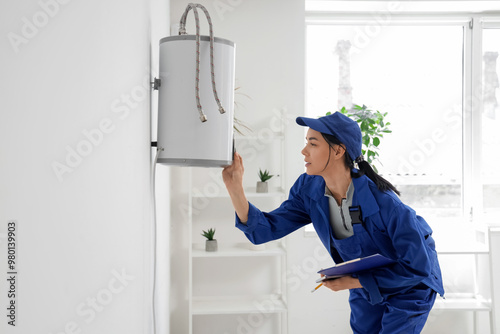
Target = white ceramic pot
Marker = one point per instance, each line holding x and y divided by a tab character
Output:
211	245
262	187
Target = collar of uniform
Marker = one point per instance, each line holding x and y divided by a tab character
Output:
363	196
315	187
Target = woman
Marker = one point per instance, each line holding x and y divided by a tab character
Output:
356	213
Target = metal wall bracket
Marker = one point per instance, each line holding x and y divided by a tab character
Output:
156	84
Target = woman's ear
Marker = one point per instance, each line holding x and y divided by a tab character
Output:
339	151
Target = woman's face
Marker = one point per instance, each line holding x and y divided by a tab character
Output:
317	153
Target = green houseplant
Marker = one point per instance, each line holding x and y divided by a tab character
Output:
264	176
210	243
373	127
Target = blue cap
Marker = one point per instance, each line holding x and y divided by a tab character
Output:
341	127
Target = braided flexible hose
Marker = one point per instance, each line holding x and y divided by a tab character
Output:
182	31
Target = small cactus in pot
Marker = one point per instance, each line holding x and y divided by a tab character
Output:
264	176
210	243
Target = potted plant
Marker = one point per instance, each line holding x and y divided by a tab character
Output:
210	243
264	176
373	126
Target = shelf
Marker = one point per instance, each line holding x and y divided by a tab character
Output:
238	305
462	304
273	192
236	250
264	266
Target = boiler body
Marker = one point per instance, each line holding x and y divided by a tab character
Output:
185	139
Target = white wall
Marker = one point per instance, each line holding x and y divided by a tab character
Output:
75	152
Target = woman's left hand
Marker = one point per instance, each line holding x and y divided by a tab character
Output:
343	283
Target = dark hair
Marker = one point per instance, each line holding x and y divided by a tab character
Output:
364	167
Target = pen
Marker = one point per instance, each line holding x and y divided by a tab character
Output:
316	288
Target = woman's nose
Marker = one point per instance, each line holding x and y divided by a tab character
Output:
303	151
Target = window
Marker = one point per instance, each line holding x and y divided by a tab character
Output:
491	120
419	69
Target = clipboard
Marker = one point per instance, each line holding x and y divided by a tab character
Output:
354	267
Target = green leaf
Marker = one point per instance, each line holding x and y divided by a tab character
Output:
372	124
264	175
209	234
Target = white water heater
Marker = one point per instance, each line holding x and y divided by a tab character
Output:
196	99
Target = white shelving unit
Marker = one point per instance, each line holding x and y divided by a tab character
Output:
238	250
234	305
467	240
217	281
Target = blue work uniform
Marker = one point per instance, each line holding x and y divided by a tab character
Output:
394	299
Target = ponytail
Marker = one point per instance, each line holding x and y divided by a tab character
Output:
381	183
364	167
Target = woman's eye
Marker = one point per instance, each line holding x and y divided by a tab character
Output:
310	144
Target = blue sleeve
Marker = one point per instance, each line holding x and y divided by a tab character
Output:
262	227
403	239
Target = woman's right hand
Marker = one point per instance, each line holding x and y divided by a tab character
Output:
232	175
233	179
